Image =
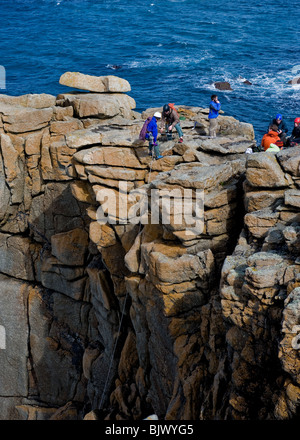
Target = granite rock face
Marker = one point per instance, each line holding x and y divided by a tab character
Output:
129	286
259	293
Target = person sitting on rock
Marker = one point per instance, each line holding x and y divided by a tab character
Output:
272	137
151	136
294	139
281	126
170	120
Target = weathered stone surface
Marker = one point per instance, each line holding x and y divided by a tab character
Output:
17	256
91	416
267	274
81	138
22	120
111	156
14	348
54	211
292	197
13	160
33	143
291	235
263	170
62	342
198	177
97	134
65	127
102	235
255	201
90	354
63	113
100	105
115	173
4	190
289	159
82	192
98	84
56	161
259	222
289	347
68	280
181	269
226	146
36	101
70	247
35	412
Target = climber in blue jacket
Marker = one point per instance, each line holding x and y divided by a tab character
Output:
151	135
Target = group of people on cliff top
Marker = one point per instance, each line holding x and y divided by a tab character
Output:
276	137
170	119
274	140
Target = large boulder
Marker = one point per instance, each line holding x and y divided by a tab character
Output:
263	170
98	105
99	84
289	160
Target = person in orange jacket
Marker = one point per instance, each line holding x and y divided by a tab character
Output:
272	137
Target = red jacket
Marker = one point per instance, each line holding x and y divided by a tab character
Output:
269	138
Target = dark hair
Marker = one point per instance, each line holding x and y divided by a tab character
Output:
166	108
273	127
213	97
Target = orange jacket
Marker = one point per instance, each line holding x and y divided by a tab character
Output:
269	138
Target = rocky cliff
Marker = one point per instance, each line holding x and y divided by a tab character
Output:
107	310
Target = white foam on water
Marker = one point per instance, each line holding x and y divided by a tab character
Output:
155	60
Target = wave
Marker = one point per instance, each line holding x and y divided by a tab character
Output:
113	66
162	61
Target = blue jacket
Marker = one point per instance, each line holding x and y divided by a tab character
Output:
152	128
213	110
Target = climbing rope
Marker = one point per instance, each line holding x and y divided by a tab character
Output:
150	167
123	310
113	352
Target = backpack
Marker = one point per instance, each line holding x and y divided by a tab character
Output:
143	131
172	106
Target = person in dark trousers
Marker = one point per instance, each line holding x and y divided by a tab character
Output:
214	108
170	120
282	128
151	136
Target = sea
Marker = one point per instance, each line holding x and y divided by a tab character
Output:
168	50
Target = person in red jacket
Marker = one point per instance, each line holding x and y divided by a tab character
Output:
272	137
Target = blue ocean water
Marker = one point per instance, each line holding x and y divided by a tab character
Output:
169	51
